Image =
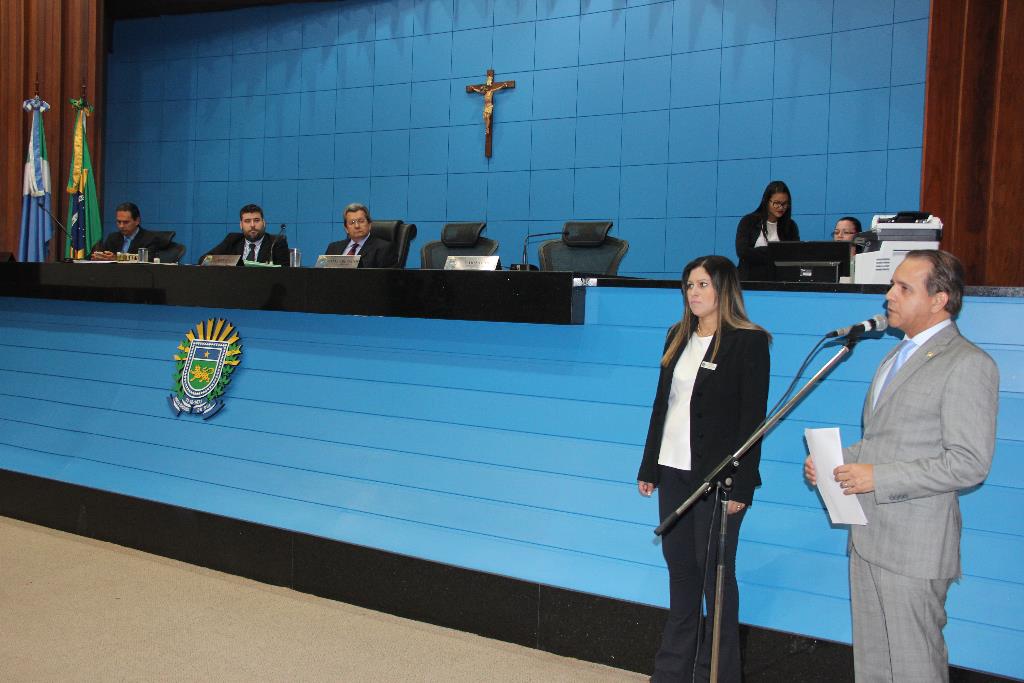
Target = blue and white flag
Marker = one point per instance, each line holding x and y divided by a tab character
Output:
36	226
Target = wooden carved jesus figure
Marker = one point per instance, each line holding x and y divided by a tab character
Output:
487	90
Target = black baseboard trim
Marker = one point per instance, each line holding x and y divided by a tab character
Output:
564	622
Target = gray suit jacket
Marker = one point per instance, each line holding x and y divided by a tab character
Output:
931	434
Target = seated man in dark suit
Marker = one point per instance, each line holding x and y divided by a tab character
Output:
252	243
373	251
129	238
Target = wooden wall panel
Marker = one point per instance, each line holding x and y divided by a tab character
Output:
1006	198
60	43
971	162
12	120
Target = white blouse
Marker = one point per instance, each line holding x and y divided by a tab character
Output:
675	439
773	234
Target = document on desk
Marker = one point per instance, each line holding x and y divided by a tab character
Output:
827	454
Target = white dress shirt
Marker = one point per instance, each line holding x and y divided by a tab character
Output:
675	439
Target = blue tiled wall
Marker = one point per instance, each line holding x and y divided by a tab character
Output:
501	447
666	117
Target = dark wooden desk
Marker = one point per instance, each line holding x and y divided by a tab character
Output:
502	296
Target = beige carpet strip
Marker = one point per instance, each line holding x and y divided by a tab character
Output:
76	609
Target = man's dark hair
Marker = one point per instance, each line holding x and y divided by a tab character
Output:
130	208
250	208
354	207
947	275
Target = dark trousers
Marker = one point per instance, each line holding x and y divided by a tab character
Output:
686	548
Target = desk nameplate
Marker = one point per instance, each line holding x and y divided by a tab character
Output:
221	260
472	263
337	261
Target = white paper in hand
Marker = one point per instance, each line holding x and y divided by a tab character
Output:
827	454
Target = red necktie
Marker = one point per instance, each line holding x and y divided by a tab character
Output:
352	249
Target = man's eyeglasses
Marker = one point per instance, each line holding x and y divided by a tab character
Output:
357	221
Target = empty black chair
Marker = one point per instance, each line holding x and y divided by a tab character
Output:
399	234
457	239
172	253
169	251
585	247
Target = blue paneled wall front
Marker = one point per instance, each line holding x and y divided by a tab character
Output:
505	448
666	117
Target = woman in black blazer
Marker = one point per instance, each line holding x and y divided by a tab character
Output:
712	394
771	221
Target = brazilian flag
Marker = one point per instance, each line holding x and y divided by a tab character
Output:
84	226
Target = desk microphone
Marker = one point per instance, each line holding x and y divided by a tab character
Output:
525	265
60	252
273	243
876	322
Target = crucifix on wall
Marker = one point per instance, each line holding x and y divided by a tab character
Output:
488	89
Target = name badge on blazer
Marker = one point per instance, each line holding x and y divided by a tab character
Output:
707	365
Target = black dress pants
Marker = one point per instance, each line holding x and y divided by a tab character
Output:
689	549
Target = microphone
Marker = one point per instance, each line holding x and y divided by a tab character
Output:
876	322
525	265
60	251
273	242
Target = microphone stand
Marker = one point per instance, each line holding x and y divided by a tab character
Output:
525	265
61	258
273	243
724	484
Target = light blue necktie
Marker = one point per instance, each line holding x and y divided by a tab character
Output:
906	348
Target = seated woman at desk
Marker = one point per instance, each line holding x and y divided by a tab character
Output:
846	229
772	221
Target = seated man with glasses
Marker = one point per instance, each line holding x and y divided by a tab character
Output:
373	251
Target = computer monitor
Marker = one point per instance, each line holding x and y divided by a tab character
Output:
810	261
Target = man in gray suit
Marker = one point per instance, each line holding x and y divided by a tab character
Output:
929	431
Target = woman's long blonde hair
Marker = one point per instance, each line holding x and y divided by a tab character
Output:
732	314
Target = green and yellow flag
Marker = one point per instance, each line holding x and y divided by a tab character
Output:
84	225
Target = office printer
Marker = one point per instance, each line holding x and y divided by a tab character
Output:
886	245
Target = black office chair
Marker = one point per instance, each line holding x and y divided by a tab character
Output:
585	247
167	250
399	234
457	239
173	253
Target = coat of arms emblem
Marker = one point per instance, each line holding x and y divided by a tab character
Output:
209	355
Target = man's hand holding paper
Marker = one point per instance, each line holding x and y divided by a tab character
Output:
827	456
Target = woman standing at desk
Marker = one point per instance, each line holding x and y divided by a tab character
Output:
772	221
711	396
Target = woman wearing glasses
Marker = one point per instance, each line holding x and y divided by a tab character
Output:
772	221
712	393
846	229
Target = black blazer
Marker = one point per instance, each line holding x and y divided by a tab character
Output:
754	263
376	253
234	243
727	404
145	239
